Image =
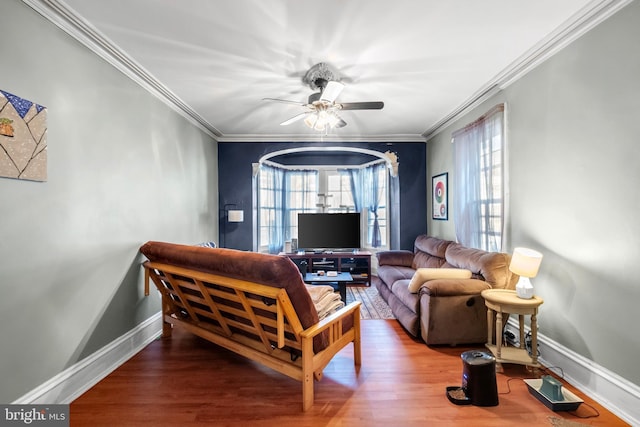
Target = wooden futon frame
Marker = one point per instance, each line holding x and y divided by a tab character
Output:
254	320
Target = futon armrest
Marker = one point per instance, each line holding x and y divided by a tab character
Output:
453	287
352	310
399	257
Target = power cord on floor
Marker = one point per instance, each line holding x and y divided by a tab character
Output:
509	386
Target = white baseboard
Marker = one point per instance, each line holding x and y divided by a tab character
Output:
77	379
610	390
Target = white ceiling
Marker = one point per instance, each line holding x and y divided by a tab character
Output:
426	59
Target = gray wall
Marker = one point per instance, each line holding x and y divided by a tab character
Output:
574	141
123	169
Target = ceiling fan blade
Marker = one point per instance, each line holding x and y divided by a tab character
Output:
340	123
284	101
331	91
377	105
294	119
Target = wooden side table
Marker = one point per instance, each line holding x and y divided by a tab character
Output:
505	301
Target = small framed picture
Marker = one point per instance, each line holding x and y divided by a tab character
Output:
440	199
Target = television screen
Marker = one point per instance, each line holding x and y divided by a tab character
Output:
328	231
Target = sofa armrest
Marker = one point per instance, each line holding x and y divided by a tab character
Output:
343	327
351	311
453	287
399	257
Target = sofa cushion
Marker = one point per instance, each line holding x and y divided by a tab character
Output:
429	252
395	257
401	290
424	274
492	267
389	274
271	270
407	318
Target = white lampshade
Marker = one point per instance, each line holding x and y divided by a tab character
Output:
525	263
319	120
235	215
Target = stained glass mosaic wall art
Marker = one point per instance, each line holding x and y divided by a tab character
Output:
23	138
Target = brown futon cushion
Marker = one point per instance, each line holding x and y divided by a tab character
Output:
271	270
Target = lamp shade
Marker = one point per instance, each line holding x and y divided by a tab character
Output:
235	215
525	262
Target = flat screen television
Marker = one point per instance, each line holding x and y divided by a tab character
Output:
328	231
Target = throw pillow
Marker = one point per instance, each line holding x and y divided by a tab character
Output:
423	275
207	244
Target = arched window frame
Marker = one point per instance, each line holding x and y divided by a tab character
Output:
390	225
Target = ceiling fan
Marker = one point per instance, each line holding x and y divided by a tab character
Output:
321	110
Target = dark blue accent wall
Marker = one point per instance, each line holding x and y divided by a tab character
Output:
235	161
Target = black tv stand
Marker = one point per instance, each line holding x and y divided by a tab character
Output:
358	263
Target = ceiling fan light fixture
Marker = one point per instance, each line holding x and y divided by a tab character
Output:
322	120
321	123
311	120
321	108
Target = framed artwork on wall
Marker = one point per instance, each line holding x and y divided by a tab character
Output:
23	138
440	199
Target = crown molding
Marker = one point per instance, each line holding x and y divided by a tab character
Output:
322	138
572	29
77	27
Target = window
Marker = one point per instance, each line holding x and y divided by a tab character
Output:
284	193
301	193
371	183
270	189
375	204
383	213
339	196
479	189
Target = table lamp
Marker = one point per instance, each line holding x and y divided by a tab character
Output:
525	263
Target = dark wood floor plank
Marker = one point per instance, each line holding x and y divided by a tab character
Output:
188	381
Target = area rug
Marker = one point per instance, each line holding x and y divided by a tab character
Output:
373	306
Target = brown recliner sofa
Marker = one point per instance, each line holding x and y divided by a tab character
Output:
443	310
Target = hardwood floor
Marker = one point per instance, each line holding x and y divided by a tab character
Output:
187	381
